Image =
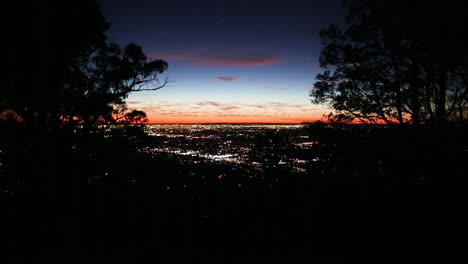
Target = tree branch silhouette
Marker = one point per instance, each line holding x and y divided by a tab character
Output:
392	65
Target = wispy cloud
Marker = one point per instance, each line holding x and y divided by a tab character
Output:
134	102
215	111
231	58
239	61
229	107
209	103
225	78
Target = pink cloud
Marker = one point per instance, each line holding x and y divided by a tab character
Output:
236	61
258	106
210	103
225	78
237	58
227	108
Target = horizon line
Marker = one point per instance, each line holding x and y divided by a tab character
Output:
208	123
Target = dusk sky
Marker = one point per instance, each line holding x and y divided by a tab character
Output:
233	61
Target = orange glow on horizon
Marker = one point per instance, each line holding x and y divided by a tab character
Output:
155	119
229	112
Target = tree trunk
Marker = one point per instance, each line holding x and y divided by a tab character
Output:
427	98
398	105
441	97
460	109
398	93
381	113
415	100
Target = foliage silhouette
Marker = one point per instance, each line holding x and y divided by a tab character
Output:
72	76
44	43
134	117
60	79
394	65
105	197
103	80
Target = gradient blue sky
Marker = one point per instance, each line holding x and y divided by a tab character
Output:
251	61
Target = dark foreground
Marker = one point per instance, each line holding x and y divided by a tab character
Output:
88	199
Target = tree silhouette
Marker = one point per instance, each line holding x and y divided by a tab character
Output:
59	69
44	39
135	117
394	65
102	82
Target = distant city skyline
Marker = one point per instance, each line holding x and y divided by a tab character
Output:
250	63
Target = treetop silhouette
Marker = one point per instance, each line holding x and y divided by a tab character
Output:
396	62
58	67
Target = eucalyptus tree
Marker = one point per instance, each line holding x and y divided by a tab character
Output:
396	62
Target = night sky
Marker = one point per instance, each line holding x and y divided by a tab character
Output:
231	61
